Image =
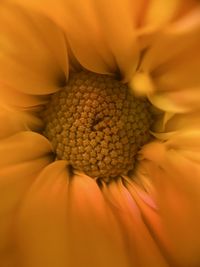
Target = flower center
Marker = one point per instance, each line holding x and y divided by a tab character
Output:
97	125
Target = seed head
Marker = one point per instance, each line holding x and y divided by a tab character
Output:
97	125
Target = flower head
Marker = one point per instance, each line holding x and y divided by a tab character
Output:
86	177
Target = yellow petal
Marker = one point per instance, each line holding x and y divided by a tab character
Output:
20	161
41	224
95	235
101	34
137	235
83	32
165	103
188	20
161	12
176	180
185	100
141	83
173	63
19	99
118	22
32	51
163	121
151	216
182	73
61	219
13	121
23	146
186	121
185	138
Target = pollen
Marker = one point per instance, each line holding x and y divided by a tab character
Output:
97	125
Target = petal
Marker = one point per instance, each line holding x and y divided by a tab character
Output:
142	84
41	224
33	51
186	121
188	19
162	121
177	182
23	156
151	216
13	121
99	39
182	101
172	62
136	234
159	12
169	48
187	142
87	42
61	219
21	143
95	235
119	35
19	99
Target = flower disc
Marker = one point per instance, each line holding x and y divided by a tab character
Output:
97	125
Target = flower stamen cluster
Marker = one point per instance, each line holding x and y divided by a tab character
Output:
97	125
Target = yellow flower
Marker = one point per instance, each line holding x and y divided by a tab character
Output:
52	216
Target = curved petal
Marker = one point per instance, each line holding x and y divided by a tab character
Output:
182	101
170	49
87	42
119	34
186	121
176	180
112	43
23	156
136	234
151	216
100	33
14	120
66	223
15	98
169	69
95	235
160	13
33	51
172	63
41	224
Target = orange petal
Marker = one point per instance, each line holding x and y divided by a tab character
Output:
137	236
141	84
159	13
23	146
119	34
176	180
95	235
99	39
183	121
16	98
182	101
23	156
110	44
61	219
13	121
33	51
173	63
42	222
168	48
151	216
